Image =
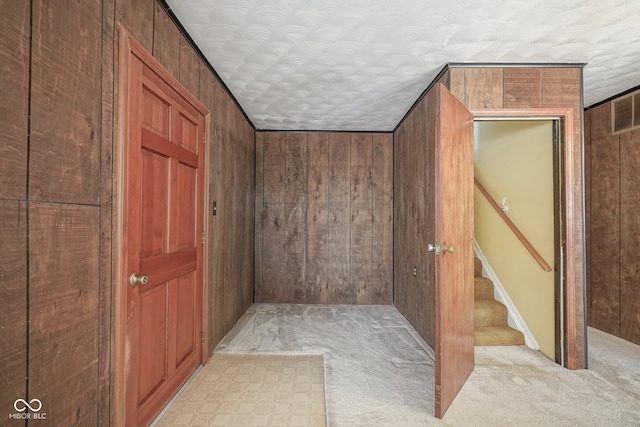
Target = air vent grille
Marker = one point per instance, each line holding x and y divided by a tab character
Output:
625	113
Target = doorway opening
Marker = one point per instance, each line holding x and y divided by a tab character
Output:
518	163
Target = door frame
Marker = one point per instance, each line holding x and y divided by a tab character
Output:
568	302
129	47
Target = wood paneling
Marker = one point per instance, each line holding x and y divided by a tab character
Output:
338	260
190	69
484	88
167	42
14	86
73	128
317	194
413	220
522	88
630	236
273	220
382	249
13	294
106	214
458	83
236	139
613	241
361	244
604	232
215	328
64	252
65	102
295	215
137	17
317	218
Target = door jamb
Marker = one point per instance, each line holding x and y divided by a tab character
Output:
566	119
128	46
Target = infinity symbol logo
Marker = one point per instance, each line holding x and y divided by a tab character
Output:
26	405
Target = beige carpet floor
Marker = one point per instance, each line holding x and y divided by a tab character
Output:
253	390
379	372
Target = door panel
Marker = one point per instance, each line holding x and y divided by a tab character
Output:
453	230
153	231
153	361
164	194
185	321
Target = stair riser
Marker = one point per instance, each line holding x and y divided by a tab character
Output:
490	316
477	267
483	289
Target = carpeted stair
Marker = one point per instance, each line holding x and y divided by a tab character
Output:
490	316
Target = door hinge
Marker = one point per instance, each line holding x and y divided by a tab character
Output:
202	337
203	238
204	137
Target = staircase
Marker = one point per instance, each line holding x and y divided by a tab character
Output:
490	316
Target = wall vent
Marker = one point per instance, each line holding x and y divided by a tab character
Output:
625	113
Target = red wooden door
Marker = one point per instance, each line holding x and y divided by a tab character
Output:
454	257
163	199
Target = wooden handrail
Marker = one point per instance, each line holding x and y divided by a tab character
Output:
512	226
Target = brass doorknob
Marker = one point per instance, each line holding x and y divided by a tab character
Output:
451	249
136	280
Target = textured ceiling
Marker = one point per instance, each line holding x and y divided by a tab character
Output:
361	64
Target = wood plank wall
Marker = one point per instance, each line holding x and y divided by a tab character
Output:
324	217
14	86
414	183
60	67
540	87
613	238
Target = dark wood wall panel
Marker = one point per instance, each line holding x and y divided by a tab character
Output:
64	252
13	295
190	69
522	88
382	249
630	236
209	96
315	219
14	110
272	219
604	232
65	102
613	238
361	216
413	228
14	86
107	223
166	42
295	211
339	256
560	87
136	16
484	88
241	194
68	266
